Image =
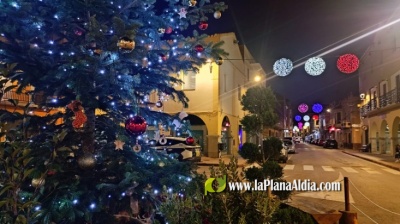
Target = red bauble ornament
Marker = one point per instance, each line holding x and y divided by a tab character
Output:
168	30
51	173
78	32
136	125
190	140
348	63
198	48
203	25
315	117
163	57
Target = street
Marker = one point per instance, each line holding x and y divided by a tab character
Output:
374	189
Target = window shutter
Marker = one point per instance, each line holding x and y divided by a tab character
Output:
189	80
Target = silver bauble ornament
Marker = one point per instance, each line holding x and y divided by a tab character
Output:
217	14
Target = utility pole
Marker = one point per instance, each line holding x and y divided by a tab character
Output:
348	217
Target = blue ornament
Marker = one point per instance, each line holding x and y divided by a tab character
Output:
317	108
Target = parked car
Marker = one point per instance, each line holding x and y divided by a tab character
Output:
290	146
331	143
179	147
321	142
366	148
297	139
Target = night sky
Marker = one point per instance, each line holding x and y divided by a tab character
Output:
300	29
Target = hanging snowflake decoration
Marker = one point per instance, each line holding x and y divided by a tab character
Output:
315	66
297	118
348	63
283	67
306	118
303	108
317	108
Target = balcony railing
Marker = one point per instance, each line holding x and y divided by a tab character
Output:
21	97
390	98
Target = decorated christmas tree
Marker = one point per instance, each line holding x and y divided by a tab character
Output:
76	151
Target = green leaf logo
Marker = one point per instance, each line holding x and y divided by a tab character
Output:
209	182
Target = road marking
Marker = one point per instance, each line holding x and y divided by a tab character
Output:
328	168
368	170
350	170
328	195
391	171
308	167
288	167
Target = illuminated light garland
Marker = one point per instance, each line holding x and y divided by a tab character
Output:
317	108
306	118
348	63
300	125
315	66
303	108
297	118
283	67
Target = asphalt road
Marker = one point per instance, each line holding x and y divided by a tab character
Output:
374	189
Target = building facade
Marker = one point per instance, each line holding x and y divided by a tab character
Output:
379	84
214	97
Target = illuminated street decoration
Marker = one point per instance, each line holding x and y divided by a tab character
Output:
300	125
315	117
348	63
315	66
297	118
283	67
303	108
317	108
307	124
306	118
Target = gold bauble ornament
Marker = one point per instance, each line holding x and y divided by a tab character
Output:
38	182
126	44
86	161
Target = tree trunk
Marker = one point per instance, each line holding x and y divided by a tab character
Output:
261	140
88	136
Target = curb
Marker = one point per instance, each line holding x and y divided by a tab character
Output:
214	164
374	161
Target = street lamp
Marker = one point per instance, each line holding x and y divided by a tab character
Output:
257	78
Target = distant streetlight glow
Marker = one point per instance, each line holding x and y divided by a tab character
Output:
257	78
328	110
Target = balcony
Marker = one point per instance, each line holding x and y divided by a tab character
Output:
386	102
22	98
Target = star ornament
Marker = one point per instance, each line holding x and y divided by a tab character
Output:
182	13
119	145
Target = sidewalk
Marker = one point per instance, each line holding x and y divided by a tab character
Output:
381	159
208	161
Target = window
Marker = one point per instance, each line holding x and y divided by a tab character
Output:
338	118
383	88
189	80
